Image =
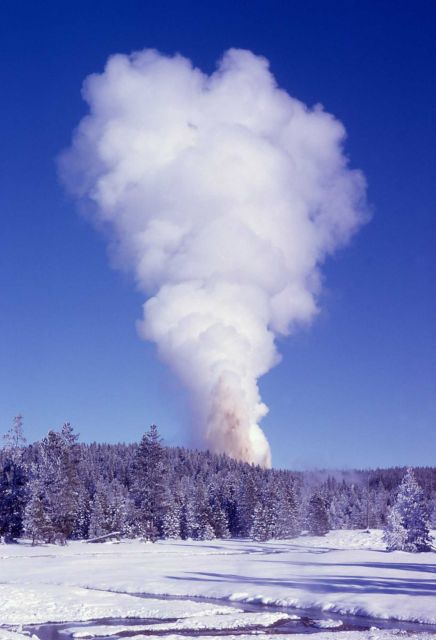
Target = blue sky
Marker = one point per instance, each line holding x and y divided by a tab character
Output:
355	389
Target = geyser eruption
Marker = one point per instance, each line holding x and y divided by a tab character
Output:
223	195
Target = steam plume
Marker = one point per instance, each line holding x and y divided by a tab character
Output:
223	195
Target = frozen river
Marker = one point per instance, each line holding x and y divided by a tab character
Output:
247	619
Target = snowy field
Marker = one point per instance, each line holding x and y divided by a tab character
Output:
345	572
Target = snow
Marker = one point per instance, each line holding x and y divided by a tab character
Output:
6	634
343	572
375	634
327	624
25	604
211	622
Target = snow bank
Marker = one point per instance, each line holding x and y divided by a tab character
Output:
373	634
24	604
327	624
199	623
6	634
345	572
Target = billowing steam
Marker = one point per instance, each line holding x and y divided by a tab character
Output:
223	195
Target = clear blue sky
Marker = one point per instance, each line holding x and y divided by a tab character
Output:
358	387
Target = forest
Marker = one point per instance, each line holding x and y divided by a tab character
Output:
58	489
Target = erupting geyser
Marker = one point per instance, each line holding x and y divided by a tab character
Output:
223	195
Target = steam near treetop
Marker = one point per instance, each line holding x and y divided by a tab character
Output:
222	195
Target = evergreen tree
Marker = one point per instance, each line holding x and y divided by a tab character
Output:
171	521
220	521
380	505
394	533
317	515
82	520
13	482
247	499
55	486
204	529
261	530
36	523
150	484
287	521
97	516
264	525
188	523
110	510
408	527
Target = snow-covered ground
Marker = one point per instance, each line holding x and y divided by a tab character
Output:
199	623
346	572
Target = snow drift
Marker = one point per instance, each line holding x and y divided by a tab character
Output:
222	195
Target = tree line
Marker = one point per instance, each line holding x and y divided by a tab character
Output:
59	489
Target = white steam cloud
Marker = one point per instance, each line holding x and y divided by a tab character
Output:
223	195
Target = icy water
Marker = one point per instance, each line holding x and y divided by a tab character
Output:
309	621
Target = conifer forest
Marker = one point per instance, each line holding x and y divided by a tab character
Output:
59	489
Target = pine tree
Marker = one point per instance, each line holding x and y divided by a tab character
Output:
287	521
110	510
36	522
317	515
97	516
247	499
260	529
188	522
220	522
171	519
55	484
150	484
204	529
264	525
407	528
394	534
82	520
13	479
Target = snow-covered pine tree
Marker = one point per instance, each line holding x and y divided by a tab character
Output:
61	453
188	522
220	522
150	484
36	522
317	515
287	521
110	509
171	519
394	533
264	525
339	507
13	480
407	527
97	524
81	523
230	488
55	479
261	529
357	508
204	529
248	497
380	506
